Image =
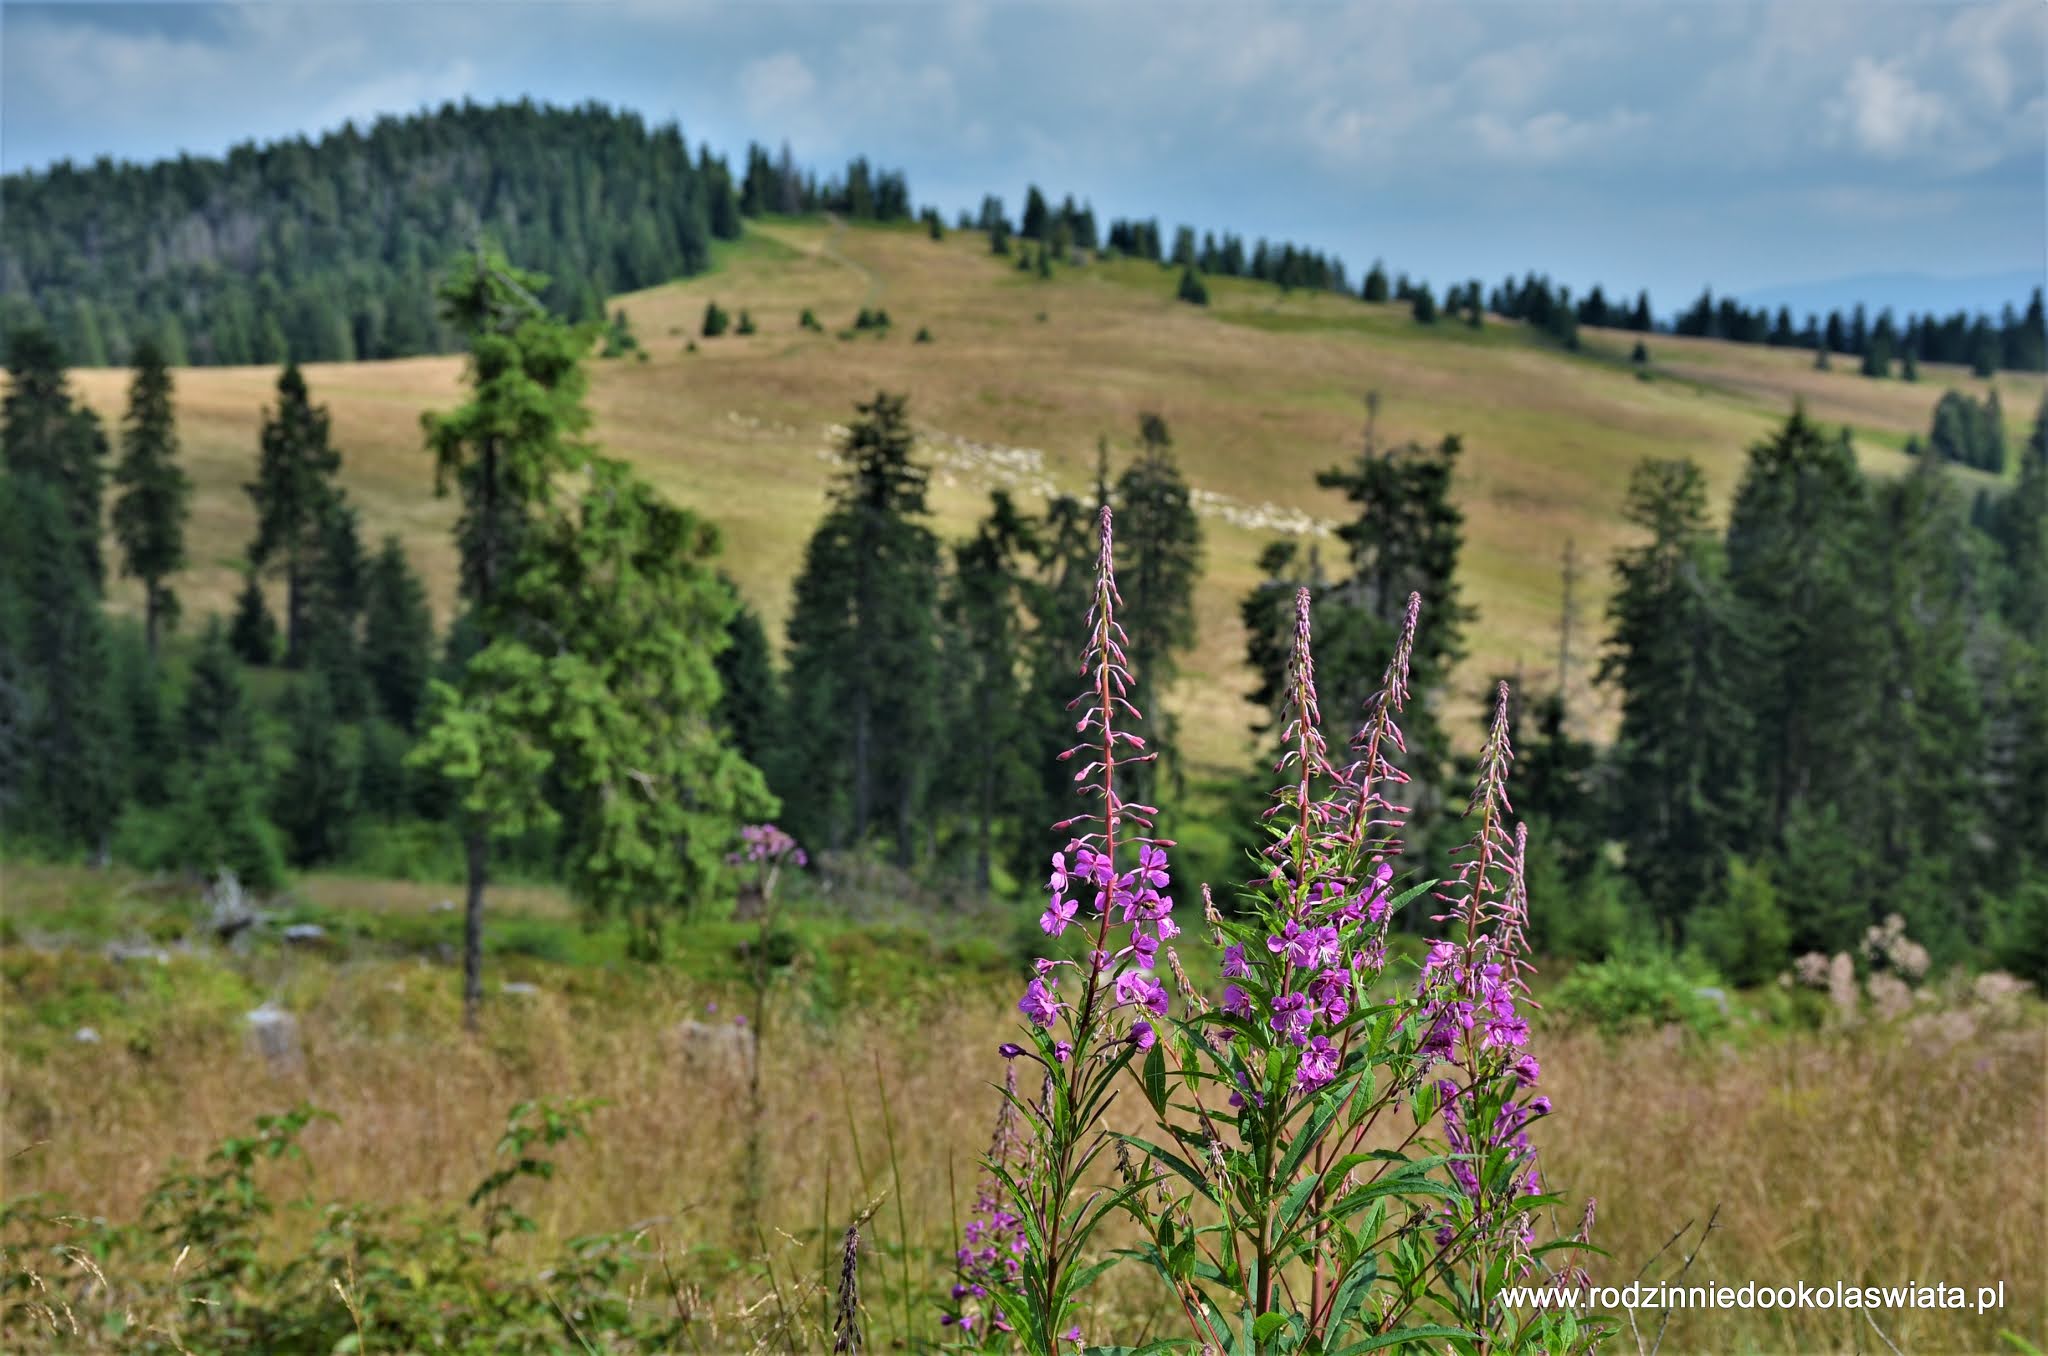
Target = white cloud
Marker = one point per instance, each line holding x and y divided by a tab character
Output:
776	85
1885	112
1553	137
400	91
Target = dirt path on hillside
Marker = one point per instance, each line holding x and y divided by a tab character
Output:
830	249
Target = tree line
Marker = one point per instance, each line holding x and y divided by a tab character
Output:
330	249
326	250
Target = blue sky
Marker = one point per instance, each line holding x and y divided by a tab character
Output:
1668	145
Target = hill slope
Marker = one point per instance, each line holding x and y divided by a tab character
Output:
1261	390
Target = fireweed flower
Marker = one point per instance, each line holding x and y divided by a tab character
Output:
992	1242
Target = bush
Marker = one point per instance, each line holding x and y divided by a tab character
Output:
715	320
746	325
1745	935
924	335
1192	291
1640	989
2019	932
809	321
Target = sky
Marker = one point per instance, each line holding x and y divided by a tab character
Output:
1667	144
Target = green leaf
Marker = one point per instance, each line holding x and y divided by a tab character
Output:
1400	1335
1155	1078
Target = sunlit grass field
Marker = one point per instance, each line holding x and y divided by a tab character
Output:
1261	389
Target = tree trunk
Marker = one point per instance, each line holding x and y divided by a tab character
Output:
477	849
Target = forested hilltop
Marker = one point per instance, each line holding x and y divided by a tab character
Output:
329	249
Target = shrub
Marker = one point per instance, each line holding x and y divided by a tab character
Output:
746	325
715	320
924	335
1745	935
1641	989
2019	932
1191	290
809	321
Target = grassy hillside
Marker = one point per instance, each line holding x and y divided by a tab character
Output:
1261	389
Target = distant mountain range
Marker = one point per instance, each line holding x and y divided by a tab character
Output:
1905	293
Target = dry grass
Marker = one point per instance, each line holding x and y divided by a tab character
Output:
1261	390
1872	1157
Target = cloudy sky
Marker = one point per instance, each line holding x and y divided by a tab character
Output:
1667	145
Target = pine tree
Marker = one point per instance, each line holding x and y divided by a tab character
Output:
253	634
293	491
155	494
862	653
1680	762
48	438
1424	306
1191	290
314	800
398	636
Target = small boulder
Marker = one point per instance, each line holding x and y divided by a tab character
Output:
305	934
274	1034
85	1035
519	987
715	1048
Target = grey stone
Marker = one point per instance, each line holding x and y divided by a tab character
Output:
722	1048
85	1035
519	986
274	1034
305	934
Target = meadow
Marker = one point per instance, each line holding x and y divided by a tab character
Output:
1876	1150
1261	389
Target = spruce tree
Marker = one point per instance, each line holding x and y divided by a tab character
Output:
502	452
751	708
48	438
603	686
1159	542
70	774
155	494
1407	538
253	633
293	492
862	648
1926	798
1675	652
1191	289
398	636
1375	288
214	713
984	772
1796	569
314	799
1424	306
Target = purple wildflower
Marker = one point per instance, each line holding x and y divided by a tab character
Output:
1318	1065
1058	914
1234	965
1037	1004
